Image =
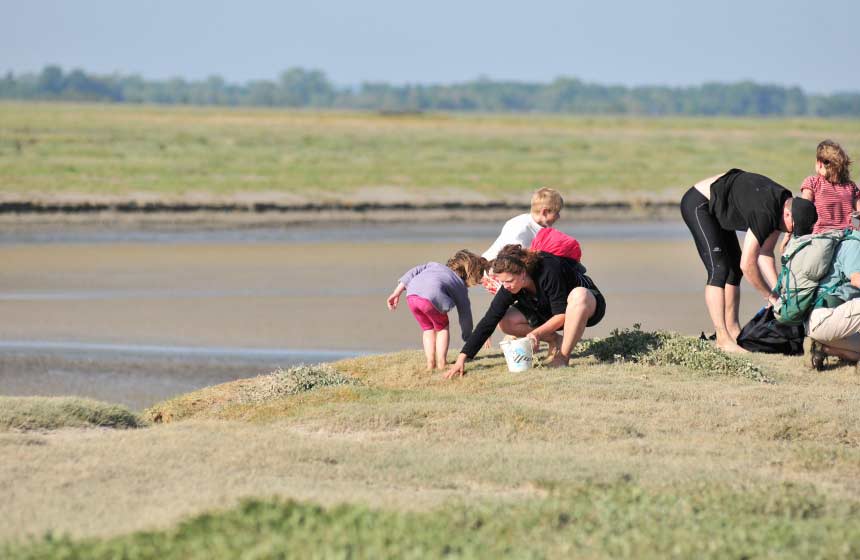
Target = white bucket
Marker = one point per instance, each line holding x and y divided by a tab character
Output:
518	354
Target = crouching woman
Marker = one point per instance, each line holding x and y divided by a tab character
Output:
540	295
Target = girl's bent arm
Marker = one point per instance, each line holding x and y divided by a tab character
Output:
394	298
464	310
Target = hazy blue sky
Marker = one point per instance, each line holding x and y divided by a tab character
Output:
815	45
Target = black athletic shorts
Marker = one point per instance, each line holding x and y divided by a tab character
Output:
535	319
718	248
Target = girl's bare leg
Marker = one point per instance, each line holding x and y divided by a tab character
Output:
428	338
442	338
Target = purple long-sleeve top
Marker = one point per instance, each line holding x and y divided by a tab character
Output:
443	288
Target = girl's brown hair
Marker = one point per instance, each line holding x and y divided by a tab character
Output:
468	266
515	259
836	162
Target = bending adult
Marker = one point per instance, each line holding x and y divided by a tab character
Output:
552	293
714	209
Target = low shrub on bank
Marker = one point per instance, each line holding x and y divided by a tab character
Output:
50	413
619	519
662	348
292	381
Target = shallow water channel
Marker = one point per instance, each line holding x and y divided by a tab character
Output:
136	316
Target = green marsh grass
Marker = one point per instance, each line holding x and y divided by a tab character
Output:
55	149
613	520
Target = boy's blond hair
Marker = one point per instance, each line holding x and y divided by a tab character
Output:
547	198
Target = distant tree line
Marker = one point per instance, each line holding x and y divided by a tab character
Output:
298	87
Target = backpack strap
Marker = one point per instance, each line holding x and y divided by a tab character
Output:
821	297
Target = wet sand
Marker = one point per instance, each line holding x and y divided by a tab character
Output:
101	297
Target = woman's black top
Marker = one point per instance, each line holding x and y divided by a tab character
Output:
554	278
741	201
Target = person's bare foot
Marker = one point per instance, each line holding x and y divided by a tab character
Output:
553	350
431	366
558	361
731	346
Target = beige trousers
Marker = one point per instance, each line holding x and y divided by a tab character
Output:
838	327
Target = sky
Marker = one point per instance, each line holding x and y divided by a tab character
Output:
814	45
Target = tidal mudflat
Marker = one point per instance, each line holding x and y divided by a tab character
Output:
138	316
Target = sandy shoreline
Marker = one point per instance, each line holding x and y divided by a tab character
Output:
108	211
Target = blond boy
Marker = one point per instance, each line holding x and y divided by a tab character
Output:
521	230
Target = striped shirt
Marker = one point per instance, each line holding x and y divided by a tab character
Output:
834	203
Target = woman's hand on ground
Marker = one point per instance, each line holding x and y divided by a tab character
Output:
458	369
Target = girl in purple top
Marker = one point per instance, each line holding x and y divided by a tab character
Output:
432	290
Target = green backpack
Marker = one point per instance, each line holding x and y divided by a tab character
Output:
805	262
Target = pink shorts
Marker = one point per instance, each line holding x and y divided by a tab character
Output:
429	318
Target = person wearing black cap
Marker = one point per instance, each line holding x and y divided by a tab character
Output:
714	209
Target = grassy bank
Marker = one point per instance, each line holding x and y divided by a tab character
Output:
162	152
51	413
649	445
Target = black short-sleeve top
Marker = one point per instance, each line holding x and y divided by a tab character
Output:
741	201
554	277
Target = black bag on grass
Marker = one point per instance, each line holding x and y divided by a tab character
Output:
765	334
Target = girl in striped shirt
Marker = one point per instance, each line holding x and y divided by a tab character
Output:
835	196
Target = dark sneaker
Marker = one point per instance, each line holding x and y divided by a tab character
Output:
817	357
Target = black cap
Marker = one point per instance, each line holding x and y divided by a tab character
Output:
804	215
